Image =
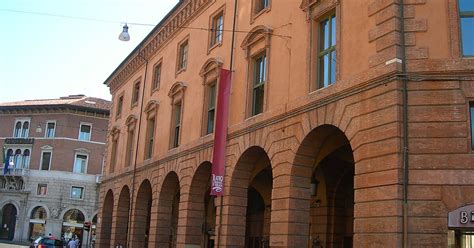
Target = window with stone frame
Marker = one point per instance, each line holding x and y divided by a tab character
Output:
257	46
182	61
326	64
258	86
46	157
42	189
135	93
210	74
50	129
156	76
22	128
85	131
129	148
217	28
177	100
150	111
466	14
260	5
115	134
119	106
80	163
77	193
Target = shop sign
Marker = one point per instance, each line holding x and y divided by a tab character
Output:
461	218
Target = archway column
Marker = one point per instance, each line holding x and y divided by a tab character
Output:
233	210
290	204
104	226
120	224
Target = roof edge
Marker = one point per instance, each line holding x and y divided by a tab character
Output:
145	40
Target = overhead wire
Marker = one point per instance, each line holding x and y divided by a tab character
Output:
132	23
128	23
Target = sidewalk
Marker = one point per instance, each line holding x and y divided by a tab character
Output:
4	244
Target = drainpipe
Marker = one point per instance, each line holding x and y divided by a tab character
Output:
219	233
404	79
136	153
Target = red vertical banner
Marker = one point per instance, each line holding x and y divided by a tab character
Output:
220	135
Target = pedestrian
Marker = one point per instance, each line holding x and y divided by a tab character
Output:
72	243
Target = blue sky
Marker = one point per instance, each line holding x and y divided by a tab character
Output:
48	57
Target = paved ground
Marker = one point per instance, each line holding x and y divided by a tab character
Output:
4	245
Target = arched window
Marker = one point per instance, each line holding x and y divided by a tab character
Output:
73	223
26	158
38	213
17	159
74	216
17	133
24	130
10	156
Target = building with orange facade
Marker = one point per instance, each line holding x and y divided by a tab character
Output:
350	125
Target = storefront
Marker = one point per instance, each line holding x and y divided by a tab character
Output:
461	224
73	224
37	222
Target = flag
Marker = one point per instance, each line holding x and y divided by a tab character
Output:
6	162
220	136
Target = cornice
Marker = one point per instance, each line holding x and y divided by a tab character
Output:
185	11
54	109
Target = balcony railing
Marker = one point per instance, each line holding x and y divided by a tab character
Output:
15	171
19	141
13	180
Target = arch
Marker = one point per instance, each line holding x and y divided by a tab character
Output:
324	168
177	88
257	33
30	212
18	158
210	64
26	158
9	201
251	180
37	221
105	229
63	213
73	223
168	211
17	129
201	212
9	214
142	215
74	215
120	224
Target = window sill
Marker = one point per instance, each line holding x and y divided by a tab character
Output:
250	118
155	90
258	14
180	71
214	46
321	89
134	105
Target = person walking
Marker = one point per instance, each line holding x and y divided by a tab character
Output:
73	243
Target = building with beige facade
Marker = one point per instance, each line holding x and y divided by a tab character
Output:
55	150
350	125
